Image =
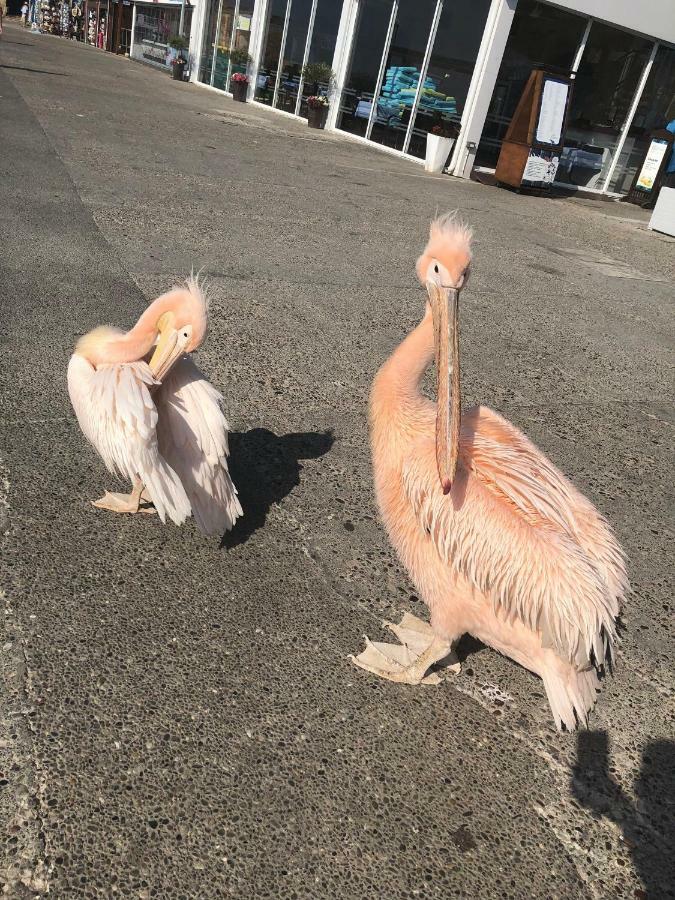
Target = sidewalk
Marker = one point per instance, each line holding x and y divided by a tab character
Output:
180	717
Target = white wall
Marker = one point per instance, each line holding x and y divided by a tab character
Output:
654	18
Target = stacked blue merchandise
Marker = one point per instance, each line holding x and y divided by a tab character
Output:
399	88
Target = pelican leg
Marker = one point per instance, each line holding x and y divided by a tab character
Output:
126	503
409	661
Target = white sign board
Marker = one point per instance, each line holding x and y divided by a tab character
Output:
552	112
651	165
541	167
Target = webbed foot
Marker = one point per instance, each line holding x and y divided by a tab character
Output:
409	661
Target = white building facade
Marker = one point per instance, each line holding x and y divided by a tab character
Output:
404	67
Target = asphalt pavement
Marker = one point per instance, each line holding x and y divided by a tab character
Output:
179	715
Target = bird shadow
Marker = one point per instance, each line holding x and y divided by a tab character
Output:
648	823
265	468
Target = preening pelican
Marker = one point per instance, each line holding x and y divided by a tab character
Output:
152	415
498	542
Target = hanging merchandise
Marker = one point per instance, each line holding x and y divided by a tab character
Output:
100	37
64	19
92	28
77	22
49	17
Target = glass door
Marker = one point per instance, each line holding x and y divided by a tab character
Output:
321	49
222	47
448	75
403	72
655	110
293	54
269	63
604	89
361	84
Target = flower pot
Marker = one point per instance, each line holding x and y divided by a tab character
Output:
179	70
438	150
316	116
239	91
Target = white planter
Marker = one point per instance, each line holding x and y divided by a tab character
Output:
438	151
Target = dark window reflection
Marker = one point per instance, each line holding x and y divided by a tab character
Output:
206	58
460	31
322	45
267	73
294	52
655	110
601	97
223	44
402	73
242	35
367	49
541	36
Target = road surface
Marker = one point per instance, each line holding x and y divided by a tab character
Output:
180	716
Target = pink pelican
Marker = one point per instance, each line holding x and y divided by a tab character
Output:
152	415
497	541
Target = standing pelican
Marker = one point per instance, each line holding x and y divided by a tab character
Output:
153	417
498	542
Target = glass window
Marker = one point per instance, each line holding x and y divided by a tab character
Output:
223	44
540	37
242	35
367	49
603	91
655	110
322	46
294	53
267	73
208	44
458	37
403	71
155	26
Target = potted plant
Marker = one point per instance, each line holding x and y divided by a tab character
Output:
239	85
316	75
240	60
178	63
317	108
440	141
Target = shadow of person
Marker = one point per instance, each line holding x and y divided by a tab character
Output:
648	825
265	467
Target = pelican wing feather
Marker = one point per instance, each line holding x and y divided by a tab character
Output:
193	438
117	414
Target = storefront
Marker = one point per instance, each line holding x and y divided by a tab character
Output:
153	27
402	68
624	88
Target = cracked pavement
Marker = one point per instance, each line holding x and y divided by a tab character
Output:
179	716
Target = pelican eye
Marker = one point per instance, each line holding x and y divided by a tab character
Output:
436	269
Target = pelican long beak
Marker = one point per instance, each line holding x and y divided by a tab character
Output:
445	311
168	347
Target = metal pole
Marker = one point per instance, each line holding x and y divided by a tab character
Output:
580	49
182	18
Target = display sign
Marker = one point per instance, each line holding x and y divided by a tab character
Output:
534	141
651	165
552	112
540	168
